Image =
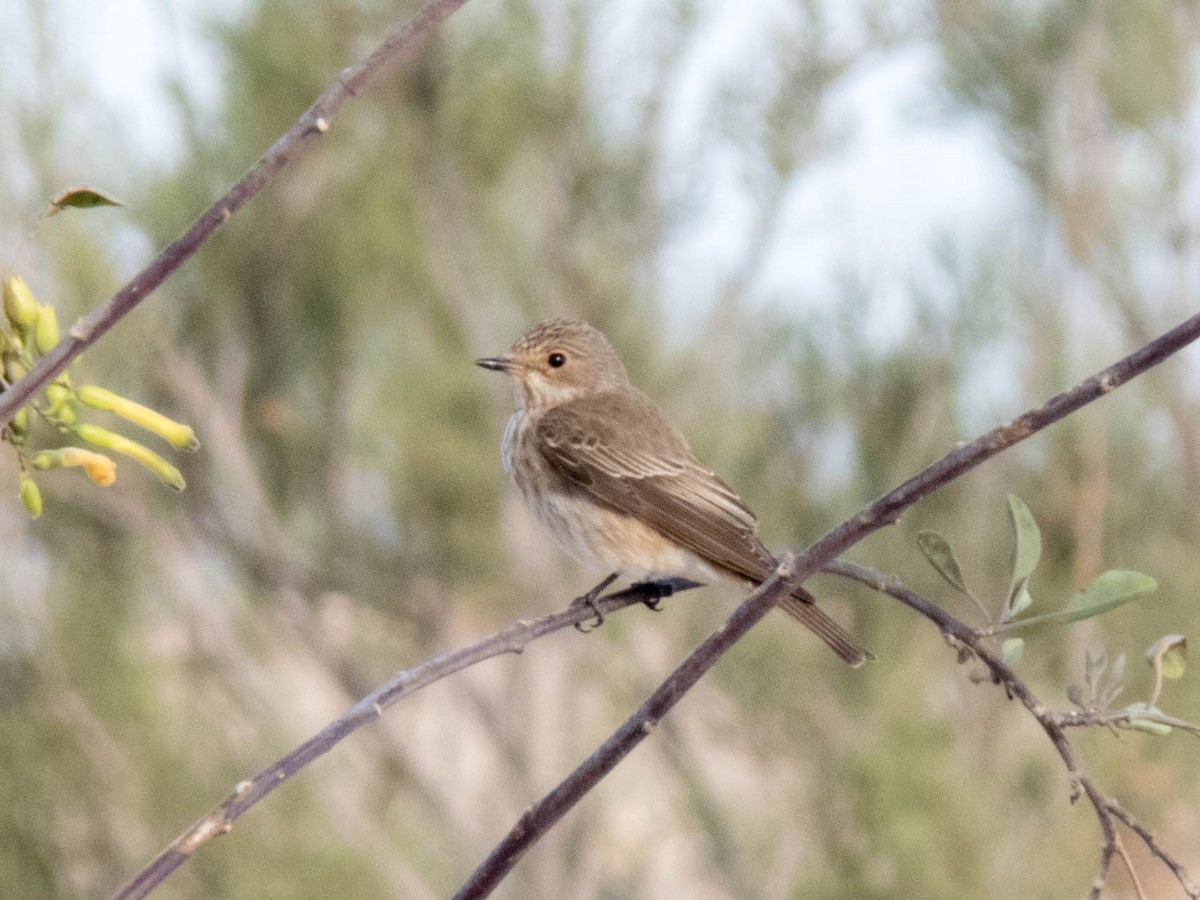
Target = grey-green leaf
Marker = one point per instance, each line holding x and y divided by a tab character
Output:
1018	602
937	550
82	196
1136	723
1027	550
1111	589
1011	650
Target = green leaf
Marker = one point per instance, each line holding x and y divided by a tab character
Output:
1011	650
937	550
1027	550
1169	655
81	196
1111	589
1019	601
1136	723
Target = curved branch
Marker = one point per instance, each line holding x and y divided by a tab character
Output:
1189	887
313	124
961	635
247	793
536	820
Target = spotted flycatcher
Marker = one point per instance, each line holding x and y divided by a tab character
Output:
617	486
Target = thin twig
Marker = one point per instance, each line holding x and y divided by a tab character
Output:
884	511
1095	718
312	125
1133	875
1189	887
247	793
959	634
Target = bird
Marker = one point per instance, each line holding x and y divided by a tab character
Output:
619	488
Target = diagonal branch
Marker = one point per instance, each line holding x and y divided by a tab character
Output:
247	793
536	820
313	124
539	818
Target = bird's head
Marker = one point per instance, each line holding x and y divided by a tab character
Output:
558	361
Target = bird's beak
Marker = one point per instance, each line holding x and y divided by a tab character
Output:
495	363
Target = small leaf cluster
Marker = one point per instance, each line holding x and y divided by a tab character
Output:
1102	682
36	432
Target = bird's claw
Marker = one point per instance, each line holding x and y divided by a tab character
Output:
589	600
584	626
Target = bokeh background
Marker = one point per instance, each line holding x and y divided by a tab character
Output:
832	239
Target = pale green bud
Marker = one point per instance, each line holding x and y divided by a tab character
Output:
31	496
18	426
45	329
14	369
57	395
19	306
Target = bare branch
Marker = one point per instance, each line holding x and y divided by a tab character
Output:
247	793
312	125
1190	888
539	818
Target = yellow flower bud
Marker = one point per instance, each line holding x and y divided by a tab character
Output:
31	496
102	437
174	433
99	467
18	427
45	329
19	306
14	369
47	459
57	395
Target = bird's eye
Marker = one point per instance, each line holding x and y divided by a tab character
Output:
556	360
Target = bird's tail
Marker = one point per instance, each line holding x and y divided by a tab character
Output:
802	606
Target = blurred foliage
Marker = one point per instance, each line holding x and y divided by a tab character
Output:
348	517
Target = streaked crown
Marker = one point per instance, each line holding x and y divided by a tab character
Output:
558	360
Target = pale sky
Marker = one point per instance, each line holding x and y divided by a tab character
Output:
904	176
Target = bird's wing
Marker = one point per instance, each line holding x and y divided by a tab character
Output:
617	448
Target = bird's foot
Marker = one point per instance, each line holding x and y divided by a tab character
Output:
589	600
661	588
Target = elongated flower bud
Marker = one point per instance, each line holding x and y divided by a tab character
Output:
18	426
45	329
31	496
174	433
14	369
102	437
19	306
100	468
56	396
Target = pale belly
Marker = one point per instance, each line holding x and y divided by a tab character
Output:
596	537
